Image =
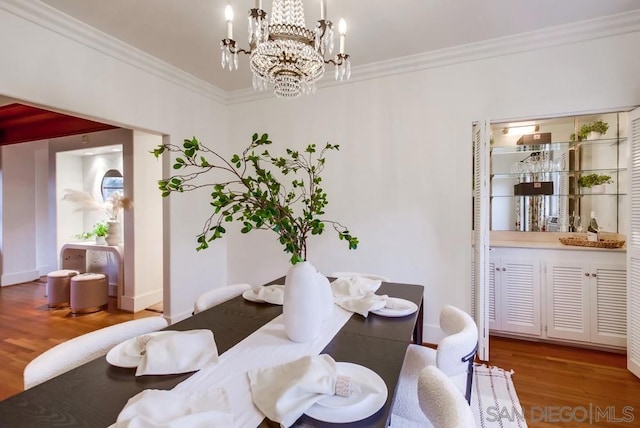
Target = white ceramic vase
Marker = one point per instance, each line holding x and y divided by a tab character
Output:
326	296
303	309
114	236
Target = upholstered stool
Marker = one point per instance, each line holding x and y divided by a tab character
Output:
58	283
89	293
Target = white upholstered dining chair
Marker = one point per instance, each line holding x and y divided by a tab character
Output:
362	274
441	401
82	349
218	295
454	357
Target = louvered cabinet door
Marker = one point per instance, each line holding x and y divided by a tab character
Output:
609	304
520	296
568	300
494	316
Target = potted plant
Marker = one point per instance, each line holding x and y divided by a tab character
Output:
111	207
591	131
99	232
594	182
250	189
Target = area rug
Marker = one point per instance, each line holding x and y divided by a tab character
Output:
494	400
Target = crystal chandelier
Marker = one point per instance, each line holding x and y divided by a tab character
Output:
285	53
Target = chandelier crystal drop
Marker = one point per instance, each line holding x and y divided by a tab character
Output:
285	53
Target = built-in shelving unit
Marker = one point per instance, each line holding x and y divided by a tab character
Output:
535	187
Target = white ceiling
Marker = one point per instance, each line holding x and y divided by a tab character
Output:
187	33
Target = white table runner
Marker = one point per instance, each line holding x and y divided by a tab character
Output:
267	346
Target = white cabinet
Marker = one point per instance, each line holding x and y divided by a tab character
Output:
567	295
514	292
586	301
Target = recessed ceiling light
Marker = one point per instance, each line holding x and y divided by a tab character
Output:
116	150
89	153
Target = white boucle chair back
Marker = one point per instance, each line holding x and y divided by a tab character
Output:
82	349
218	295
441	401
461	340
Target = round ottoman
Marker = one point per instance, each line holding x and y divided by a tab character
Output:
88	293
58	283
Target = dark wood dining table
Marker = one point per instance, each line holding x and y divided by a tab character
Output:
93	394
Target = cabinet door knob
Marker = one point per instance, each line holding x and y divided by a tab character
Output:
593	275
504	269
497	269
586	274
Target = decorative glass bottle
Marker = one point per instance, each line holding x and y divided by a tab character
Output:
593	229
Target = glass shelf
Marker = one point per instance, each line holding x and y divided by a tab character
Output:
555	195
559	165
560	145
510	175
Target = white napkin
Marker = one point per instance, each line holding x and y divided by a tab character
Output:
283	393
273	294
364	304
356	294
172	409
176	352
356	286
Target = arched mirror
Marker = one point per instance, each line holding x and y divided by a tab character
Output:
111	183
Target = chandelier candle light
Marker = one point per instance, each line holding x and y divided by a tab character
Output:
285	53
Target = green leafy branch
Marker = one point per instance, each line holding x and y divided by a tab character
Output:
252	194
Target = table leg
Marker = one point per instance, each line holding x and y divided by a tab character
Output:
417	330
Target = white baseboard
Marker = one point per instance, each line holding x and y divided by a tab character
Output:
19	277
431	334
44	270
139	303
179	317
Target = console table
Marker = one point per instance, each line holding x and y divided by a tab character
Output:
74	256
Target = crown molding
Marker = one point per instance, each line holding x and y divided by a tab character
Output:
52	19
598	28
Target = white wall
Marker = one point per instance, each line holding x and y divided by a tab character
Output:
93	170
402	179
74	170
147	274
52	70
19	222
65	172
46	259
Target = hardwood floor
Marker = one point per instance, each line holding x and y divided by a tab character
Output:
559	385
28	328
555	384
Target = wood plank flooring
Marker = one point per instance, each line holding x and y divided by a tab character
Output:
554	383
28	328
560	385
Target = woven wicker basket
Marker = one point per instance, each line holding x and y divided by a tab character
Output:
583	242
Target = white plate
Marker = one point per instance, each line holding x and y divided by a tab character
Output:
251	296
404	308
368	396
127	353
274	294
